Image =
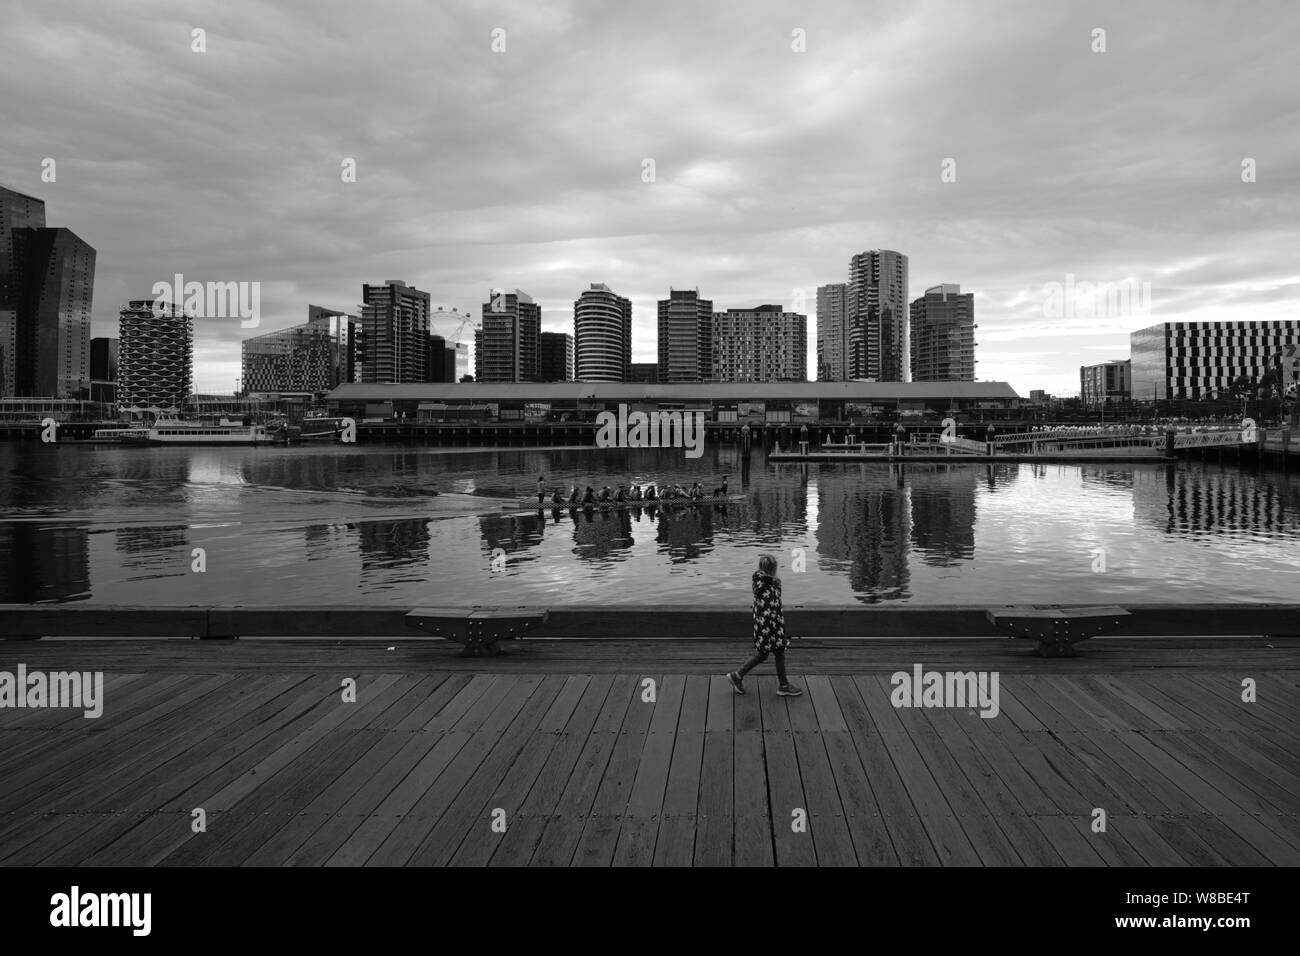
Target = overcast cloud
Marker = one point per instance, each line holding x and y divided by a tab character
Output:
523	168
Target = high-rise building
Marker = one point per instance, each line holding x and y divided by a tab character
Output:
395	333
442	360
462	360
47	280
685	337
645	373
17	211
505	347
313	357
555	357
833	332
103	370
1105	383
877	307
763	344
155	355
602	335
1199	359
103	360
943	335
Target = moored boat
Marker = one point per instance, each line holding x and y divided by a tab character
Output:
189	433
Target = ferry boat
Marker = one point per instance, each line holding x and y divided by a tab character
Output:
118	434
321	429
189	433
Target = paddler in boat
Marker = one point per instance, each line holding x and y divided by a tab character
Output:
650	494
634	493
621	494
589	497
697	491
575	497
604	495
557	499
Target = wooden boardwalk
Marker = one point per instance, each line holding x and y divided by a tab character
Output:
579	768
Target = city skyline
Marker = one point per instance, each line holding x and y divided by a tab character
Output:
1070	165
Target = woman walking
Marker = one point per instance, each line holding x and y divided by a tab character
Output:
769	629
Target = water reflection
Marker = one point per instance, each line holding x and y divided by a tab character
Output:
353	520
45	564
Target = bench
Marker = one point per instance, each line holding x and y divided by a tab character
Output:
477	628
1057	629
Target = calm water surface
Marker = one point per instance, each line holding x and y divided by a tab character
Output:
342	525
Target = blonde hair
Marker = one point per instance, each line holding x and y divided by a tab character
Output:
767	564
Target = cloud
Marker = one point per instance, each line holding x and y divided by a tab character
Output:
524	168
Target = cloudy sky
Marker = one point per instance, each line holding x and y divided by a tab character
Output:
524	167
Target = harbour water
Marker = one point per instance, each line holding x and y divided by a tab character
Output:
360	525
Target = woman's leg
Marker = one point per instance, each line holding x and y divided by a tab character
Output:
749	665
779	654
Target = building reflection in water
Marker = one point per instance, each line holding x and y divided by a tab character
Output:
163	549
943	513
863	529
1189	500
43	564
384	545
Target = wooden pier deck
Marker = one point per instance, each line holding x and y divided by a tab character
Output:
556	744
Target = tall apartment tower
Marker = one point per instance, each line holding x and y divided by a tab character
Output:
833	332
602	336
763	344
313	357
685	337
155	355
555	357
943	335
878	348
506	346
47	279
395	333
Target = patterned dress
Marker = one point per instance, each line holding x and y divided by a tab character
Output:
769	619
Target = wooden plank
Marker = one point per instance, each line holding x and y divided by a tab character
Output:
1142	837
600	699
79	793
512	791
943	759
1247	828
236	780
714	837
784	784
827	818
252	705
675	841
560	836
1022	836
598	841
640	826
939	818
499	704
456	809
899	816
